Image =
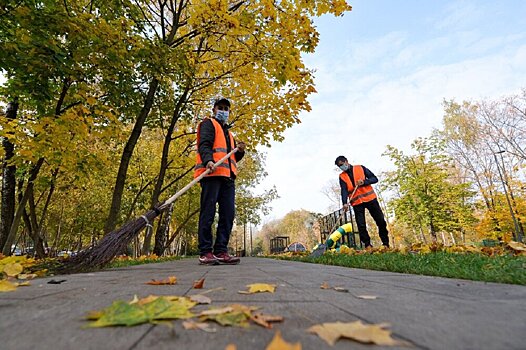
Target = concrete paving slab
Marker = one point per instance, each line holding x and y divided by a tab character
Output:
432	313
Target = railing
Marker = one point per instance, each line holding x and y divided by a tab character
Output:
329	223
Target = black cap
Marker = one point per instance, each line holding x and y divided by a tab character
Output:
222	101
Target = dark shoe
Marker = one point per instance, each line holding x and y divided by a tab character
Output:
225	258
208	259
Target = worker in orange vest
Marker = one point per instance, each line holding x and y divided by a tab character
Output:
214	141
363	198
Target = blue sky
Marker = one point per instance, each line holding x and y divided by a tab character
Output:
382	72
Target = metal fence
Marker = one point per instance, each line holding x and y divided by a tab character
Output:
329	223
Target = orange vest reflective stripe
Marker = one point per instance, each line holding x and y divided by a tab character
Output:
219	150
363	193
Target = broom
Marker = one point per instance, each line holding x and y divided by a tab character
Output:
116	241
322	247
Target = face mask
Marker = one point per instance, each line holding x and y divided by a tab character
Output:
222	116
344	167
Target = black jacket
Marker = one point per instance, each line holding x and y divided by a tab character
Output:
206	141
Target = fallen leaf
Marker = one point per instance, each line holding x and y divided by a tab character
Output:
278	343
122	313
367	297
199	284
169	280
341	289
259	288
27	276
358	331
6	286
265	320
216	311
200	299
203	326
517	246
12	270
325	285
231	347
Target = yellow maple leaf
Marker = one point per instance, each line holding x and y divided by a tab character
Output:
6	286
278	343
259	288
13	269
358	331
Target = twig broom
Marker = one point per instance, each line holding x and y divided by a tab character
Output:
116	241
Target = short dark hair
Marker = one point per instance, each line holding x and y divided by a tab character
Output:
340	159
222	101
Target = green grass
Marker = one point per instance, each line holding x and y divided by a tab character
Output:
477	267
132	262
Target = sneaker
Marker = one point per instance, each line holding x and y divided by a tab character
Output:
225	258
208	259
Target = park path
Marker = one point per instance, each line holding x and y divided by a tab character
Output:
430	312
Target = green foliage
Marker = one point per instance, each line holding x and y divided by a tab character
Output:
501	269
427	197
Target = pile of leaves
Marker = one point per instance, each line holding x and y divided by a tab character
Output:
510	248
17	271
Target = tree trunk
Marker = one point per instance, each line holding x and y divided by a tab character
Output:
161	236
18	215
7	213
127	153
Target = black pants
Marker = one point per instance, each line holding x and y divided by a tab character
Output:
216	190
376	212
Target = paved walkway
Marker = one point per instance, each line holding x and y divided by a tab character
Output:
432	313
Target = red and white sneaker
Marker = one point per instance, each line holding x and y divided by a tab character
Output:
208	259
227	259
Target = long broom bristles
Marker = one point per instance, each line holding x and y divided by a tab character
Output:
111	245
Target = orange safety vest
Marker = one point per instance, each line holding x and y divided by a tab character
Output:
219	150
364	193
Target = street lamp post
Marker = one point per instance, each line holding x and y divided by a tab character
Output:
517	236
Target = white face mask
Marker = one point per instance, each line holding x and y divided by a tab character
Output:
344	167
222	116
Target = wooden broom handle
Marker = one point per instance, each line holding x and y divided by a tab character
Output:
194	181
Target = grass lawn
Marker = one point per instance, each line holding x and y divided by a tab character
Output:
502	269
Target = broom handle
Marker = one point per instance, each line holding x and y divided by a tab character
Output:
194	181
343	212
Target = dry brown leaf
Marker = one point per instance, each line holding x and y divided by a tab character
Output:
259	288
231	347
367	297
358	331
265	320
325	285
169	280
203	326
517	246
199	284
220	311
200	299
278	343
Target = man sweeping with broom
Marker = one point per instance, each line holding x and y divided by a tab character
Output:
214	141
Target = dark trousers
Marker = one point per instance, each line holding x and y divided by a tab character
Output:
216	190
376	213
